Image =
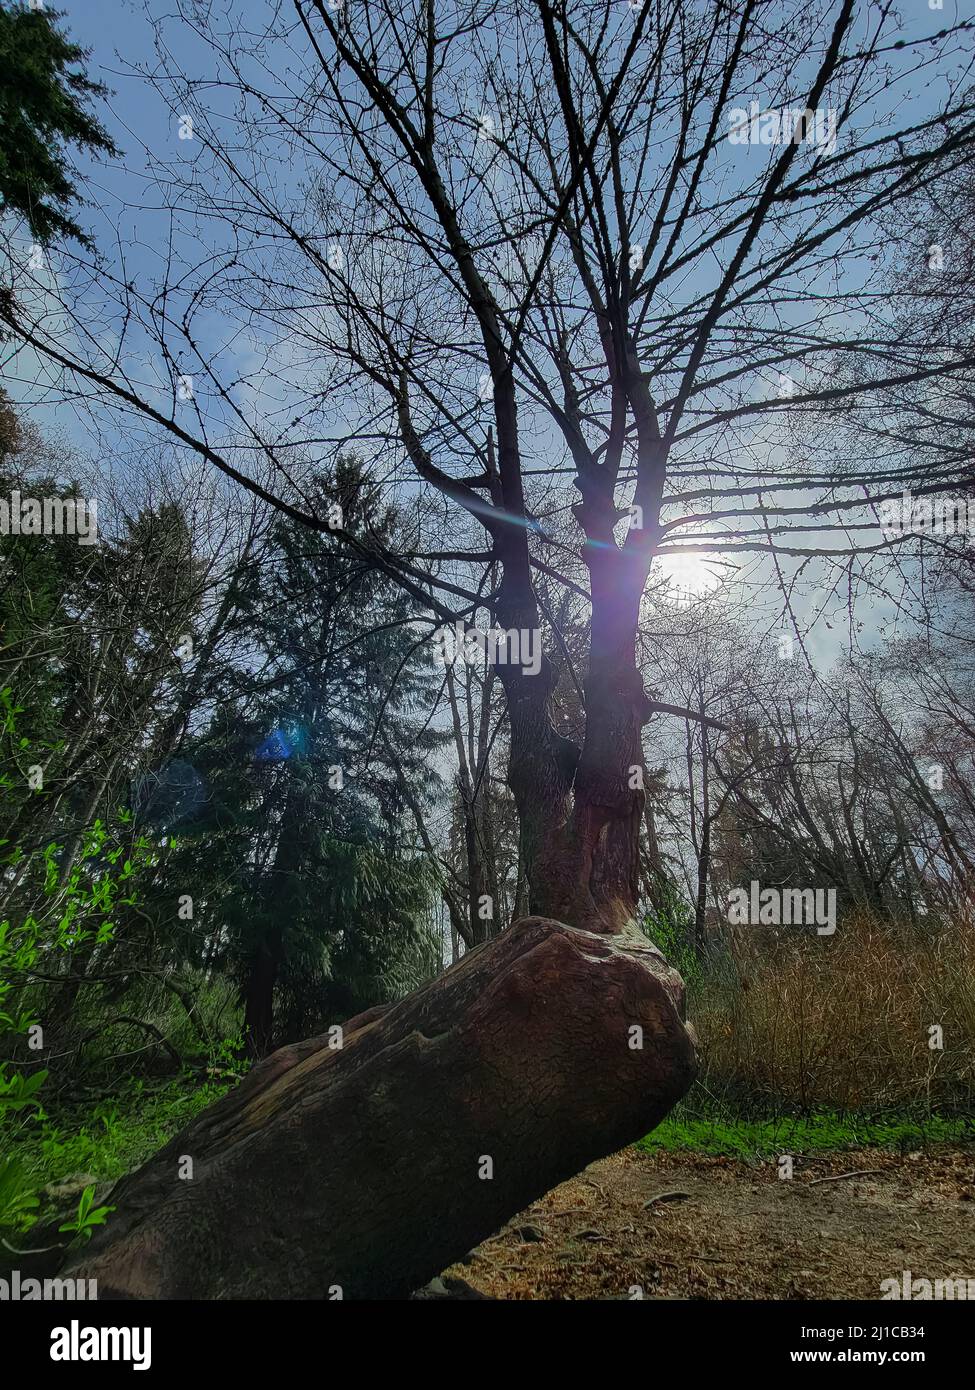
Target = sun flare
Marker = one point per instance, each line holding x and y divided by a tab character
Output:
690	575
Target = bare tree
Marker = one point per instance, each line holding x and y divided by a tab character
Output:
552	202
538	261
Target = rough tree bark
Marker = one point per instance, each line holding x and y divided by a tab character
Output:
365	1167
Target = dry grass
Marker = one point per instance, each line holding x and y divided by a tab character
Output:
841	1022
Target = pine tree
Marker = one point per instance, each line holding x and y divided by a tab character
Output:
44	96
308	887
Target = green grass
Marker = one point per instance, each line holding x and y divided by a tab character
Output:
109	1137
737	1137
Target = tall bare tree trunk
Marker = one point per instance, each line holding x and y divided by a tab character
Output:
581	809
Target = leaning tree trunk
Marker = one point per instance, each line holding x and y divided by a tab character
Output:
369	1168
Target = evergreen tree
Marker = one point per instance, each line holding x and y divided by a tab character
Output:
304	880
44	96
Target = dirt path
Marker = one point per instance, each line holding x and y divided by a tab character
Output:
741	1232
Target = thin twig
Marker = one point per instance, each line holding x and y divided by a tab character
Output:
39	1250
837	1177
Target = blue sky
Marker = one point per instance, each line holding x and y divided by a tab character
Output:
139	120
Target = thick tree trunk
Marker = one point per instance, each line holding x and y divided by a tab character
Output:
581	809
258	997
370	1168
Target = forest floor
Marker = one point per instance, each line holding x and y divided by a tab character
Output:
740	1231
